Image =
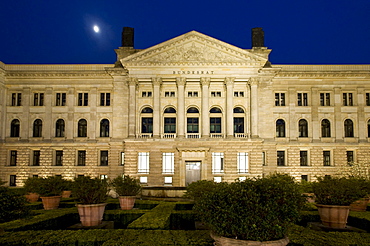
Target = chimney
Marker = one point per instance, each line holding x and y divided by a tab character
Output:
258	37
128	37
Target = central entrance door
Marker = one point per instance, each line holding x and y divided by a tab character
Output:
192	171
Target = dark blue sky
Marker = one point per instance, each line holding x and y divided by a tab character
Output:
298	32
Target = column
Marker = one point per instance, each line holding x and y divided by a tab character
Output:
132	83
181	106
254	107
156	106
229	82
205	107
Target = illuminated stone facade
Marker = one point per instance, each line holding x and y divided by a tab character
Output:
190	108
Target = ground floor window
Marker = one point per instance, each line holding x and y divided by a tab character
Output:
242	162
217	162
143	162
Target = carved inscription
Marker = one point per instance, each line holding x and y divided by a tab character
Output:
193	72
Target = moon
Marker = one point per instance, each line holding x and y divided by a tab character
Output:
96	29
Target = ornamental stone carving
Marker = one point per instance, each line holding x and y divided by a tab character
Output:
181	81
204	81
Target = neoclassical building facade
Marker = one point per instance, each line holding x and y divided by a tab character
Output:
190	108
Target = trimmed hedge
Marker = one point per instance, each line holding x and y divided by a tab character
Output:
106	237
156	219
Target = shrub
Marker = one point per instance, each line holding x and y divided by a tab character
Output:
12	206
338	191
254	209
89	190
31	184
197	189
126	186
50	186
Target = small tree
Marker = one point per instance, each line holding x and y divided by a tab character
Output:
126	186
89	190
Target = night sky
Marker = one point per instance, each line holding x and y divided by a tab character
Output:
297	31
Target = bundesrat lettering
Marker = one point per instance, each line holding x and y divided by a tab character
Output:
193	72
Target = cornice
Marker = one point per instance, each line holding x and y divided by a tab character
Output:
321	74
39	74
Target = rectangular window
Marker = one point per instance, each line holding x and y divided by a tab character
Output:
104	158
304	177
38	99
13	158
350	157
215	125
36	158
169	94
60	99
59	158
302	99
81	159
303	158
324	99
367	99
83	99
122	158
281	158
169	125
215	93
104	99
347	99
146	94
217	162
192	125
16	99
13	180
243	161
238	93
168	162
143	162
279	99
192	94
326	158
263	158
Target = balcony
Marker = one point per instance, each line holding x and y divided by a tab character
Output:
240	135
192	135
216	135
145	135
168	135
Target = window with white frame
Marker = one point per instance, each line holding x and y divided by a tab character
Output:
168	180
243	161
217	162
122	158
143	162
168	162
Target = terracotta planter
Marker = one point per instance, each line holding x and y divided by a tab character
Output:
32	197
50	202
225	241
359	205
91	214
127	202
333	216
66	194
310	197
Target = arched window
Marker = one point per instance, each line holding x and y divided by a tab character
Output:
147	110
303	128
238	110
104	128
14	128
368	128
348	128
170	110
59	128
82	128
192	110
215	110
280	128
37	128
325	128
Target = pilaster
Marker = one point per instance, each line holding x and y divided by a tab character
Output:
157	81
132	82
181	106
205	81
229	82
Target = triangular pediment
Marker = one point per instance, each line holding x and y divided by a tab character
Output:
193	48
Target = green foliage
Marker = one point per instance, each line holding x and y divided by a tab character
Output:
31	184
306	186
339	191
255	209
12	205
67	184
197	189
89	190
126	186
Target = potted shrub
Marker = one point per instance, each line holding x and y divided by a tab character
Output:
30	186
307	192
127	188
333	197
91	194
252	210
67	188
50	190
